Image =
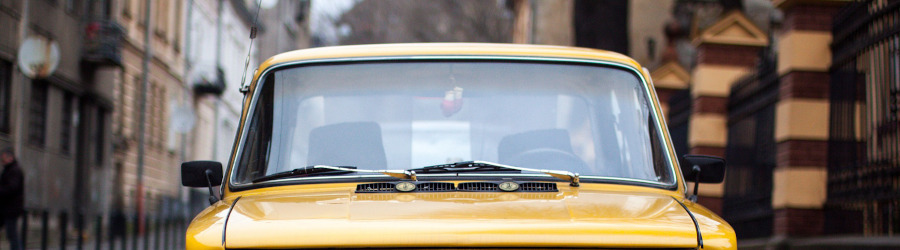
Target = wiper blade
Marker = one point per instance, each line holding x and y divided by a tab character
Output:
332	170
305	171
472	166
402	174
465	166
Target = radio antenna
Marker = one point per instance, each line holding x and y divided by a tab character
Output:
253	30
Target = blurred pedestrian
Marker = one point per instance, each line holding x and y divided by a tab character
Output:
12	196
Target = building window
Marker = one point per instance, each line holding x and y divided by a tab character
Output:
161	16
5	89
161	97
156	108
149	123
126	9
136	106
65	135
176	41
72	6
37	113
142	15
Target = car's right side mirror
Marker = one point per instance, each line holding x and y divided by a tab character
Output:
703	168
202	174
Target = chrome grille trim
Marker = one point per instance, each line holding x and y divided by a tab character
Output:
538	187
479	187
435	187
380	187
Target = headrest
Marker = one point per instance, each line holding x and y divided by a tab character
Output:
347	144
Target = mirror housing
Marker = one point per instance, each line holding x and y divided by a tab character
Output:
202	174
703	168
195	173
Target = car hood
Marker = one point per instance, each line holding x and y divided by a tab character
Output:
339	217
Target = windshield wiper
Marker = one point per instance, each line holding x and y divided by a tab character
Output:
332	170
304	171
473	166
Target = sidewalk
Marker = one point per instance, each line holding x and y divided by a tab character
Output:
826	243
164	240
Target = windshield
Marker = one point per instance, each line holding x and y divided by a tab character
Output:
592	120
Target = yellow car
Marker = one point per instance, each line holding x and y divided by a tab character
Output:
454	146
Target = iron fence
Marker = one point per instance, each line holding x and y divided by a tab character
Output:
44	229
750	152
679	117
864	129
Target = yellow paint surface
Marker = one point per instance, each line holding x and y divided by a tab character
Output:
205	231
716	235
593	215
423	49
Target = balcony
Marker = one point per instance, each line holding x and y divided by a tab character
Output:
215	86
103	43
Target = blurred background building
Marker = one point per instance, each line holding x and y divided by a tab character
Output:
164	83
286	28
425	21
71	89
57	79
802	97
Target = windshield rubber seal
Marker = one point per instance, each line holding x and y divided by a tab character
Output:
254	95
453	177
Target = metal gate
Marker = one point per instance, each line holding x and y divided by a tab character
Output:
750	152
864	129
679	116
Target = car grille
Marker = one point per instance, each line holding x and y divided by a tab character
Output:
460	248
435	187
382	187
479	187
389	187
537	187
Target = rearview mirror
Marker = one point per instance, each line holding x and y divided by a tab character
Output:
703	168
201	173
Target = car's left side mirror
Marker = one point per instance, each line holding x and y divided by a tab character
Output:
703	168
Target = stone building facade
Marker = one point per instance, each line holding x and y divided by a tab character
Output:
75	127
286	28
59	122
164	90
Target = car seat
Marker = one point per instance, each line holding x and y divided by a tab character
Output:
347	144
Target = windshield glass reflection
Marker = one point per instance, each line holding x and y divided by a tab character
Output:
591	120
